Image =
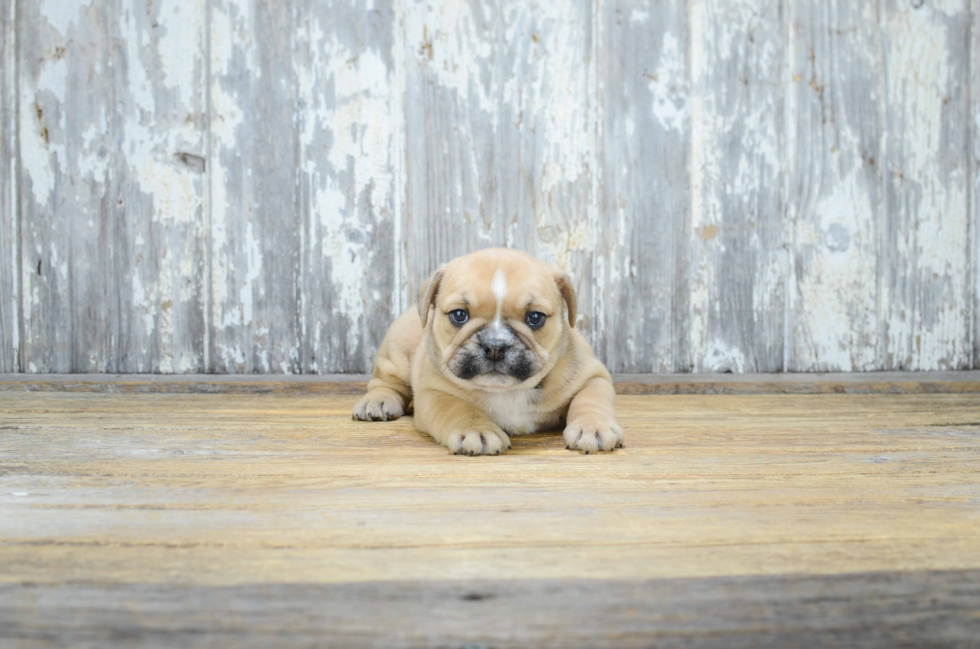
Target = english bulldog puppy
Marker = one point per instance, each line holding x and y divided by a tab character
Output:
492	351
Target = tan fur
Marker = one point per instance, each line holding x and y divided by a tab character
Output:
478	416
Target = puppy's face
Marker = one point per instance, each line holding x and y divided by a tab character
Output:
497	318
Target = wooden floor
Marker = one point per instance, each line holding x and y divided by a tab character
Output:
259	520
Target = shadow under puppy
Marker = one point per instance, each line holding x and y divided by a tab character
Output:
491	352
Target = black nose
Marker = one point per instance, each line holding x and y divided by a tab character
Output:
495	351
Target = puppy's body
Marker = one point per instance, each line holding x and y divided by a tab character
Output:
491	351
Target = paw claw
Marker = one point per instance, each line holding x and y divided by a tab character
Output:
591	436
378	406
484	441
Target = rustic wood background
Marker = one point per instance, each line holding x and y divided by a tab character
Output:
260	185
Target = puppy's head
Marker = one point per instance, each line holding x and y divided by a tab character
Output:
498	318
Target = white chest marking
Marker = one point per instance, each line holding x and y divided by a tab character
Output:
500	291
513	411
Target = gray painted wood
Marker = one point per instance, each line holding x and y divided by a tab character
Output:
499	136
303	186
9	249
252	186
348	128
66	203
160	96
736	237
112	186
973	126
256	227
926	252
834	193
641	286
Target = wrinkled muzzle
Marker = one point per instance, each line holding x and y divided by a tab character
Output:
494	351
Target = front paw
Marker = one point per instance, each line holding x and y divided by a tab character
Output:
378	407
481	440
590	436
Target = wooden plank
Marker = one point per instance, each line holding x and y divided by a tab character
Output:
225	489
189	383
9	244
926	283
831	383
155	288
112	186
347	118
758	518
68	208
641	297
891	609
974	129
835	160
303	185
256	216
518	122
499	136
736	265
809	383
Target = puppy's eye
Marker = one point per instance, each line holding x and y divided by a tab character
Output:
535	319
458	317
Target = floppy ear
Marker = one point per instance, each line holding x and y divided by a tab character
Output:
568	294
427	295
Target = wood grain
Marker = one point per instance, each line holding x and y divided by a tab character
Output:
303	185
499	135
863	610
250	186
974	174
635	384
737	231
111	194
852	515
111	125
641	281
158	241
834	187
346	112
927	236
66	226
256	225
9	247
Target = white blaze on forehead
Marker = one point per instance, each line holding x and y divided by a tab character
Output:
499	290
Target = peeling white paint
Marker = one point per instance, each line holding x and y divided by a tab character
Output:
840	283
701	157
930	330
514	97
448	39
62	14
348	98
668	86
43	159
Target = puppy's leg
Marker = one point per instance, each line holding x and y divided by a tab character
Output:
592	424
460	426
383	402
389	390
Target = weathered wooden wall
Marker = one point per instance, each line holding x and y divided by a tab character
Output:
261	185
